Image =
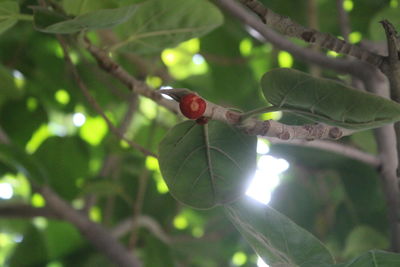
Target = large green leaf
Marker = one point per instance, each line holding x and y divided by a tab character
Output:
207	165
275	238
326	100
159	24
9	11
374	258
49	22
66	161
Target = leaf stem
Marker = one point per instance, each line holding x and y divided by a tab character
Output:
260	111
24	17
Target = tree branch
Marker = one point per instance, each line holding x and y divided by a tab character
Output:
111	160
340	149
25	211
344	23
291	28
122	75
392	71
94	103
359	69
390	179
94	233
312	11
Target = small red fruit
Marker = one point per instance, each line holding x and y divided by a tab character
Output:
192	106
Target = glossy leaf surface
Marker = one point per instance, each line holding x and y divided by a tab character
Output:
327	101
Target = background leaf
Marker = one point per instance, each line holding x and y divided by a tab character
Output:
31	251
326	100
206	165
8	89
8	15
79	7
374	258
363	238
376	30
66	161
275	238
159	24
104	18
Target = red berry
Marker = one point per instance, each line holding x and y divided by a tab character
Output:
202	120
192	106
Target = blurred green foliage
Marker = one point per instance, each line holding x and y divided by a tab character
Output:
190	45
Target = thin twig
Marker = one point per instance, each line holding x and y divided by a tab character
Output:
139	201
391	182
137	207
147	222
344	23
334	147
4	139
312	11
111	161
94	233
94	103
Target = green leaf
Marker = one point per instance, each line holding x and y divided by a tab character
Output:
13	156
326	100
363	238
159	24
66	161
8	88
9	11
31	251
79	7
374	258
207	165
275	238
49	22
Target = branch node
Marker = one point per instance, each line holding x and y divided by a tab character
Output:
335	133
